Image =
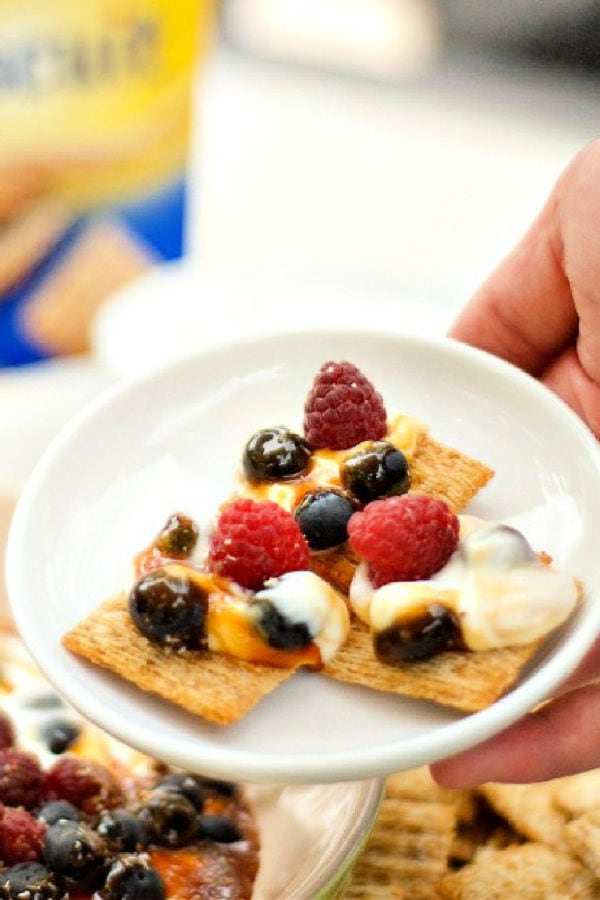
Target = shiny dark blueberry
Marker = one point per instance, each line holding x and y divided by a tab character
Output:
323	518
169	816
378	469
57	810
178	537
169	609
275	454
184	783
73	850
277	630
419	636
59	735
218	828
29	881
132	878
123	831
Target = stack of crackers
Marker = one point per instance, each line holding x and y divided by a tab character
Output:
510	841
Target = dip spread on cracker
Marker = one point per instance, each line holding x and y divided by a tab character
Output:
341	550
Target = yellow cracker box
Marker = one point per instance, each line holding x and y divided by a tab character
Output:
95	107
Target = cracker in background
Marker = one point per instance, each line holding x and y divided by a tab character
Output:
26	239
530	871
408	848
583	836
21	183
465	680
211	685
59	314
578	794
530	809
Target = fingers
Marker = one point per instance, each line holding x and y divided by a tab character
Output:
545	296
560	738
588	670
524	312
566	377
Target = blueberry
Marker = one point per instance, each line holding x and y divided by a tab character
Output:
30	880
132	878
56	811
178	536
59	735
169	608
169	817
323	518
275	454
423	634
378	469
276	629
184	783
123	831
221	829
73	850
215	786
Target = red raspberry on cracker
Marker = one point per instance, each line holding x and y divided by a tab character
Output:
254	541
86	784
406	538
343	408
21	779
21	837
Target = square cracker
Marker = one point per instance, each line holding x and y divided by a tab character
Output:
214	686
531	871
531	810
464	680
583	836
408	848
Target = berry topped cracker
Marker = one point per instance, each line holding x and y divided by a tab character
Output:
342	550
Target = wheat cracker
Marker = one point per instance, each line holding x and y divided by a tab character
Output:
583	837
531	871
530	809
578	794
408	848
464	680
214	686
58	315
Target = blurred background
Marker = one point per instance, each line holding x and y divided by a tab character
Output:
172	174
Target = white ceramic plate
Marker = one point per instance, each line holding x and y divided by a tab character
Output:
172	440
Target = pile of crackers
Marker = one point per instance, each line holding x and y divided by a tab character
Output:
510	841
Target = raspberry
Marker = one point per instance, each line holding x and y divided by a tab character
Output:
87	785
256	541
21	779
405	538
7	733
21	837
342	408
